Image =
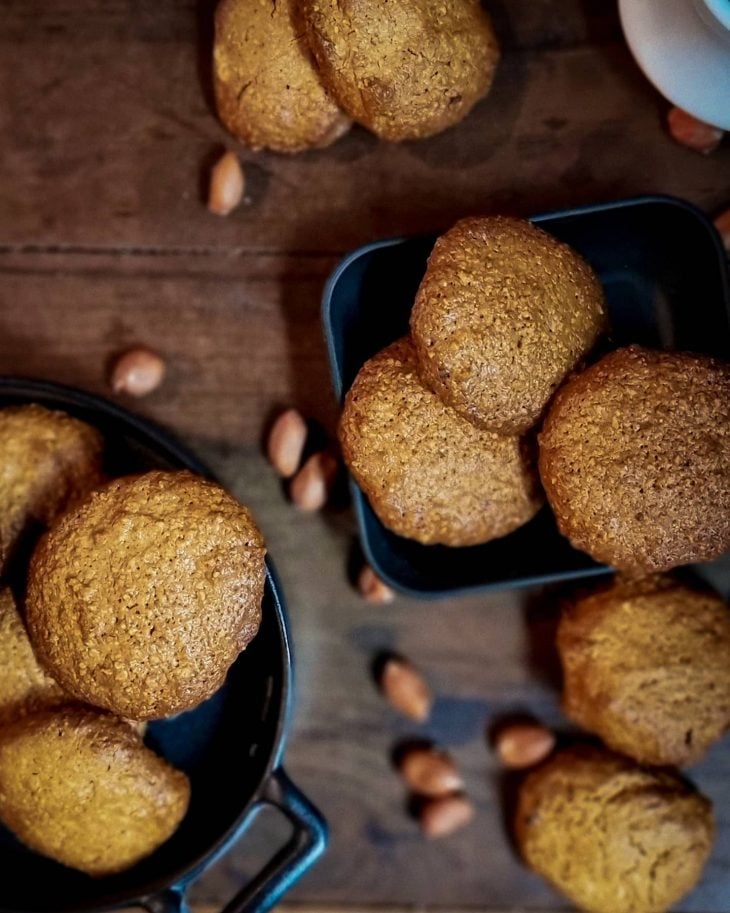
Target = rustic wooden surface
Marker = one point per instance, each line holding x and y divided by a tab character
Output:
104	242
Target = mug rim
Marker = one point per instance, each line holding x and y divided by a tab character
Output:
715	13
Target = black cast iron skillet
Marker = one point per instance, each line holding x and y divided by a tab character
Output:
230	747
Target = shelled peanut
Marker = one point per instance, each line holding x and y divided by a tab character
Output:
693	133
523	744
285	445
372	588
137	372
227	185
428	771
442	817
311	483
406	689
311	487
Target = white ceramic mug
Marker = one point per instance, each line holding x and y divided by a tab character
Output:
683	46
719	11
716	13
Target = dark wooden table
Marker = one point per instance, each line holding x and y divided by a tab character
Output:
107	136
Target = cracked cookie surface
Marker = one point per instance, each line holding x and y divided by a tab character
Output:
407	68
82	788
429	474
613	836
503	313
635	459
646	667
48	461
141	599
267	89
24	686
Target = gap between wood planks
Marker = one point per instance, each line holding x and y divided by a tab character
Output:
114	250
317	908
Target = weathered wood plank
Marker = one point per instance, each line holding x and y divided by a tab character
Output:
106	244
107	138
523	24
240	334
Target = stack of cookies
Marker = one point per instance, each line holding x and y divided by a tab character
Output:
438	428
293	74
635	462
632	454
134	602
646	665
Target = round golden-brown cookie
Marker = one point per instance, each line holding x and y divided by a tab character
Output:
141	599
48	460
647	668
428	473
24	686
635	459
407	68
81	787
610	835
267	90
503	313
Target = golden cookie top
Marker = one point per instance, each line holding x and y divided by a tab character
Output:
141	599
48	460
612	835
81	787
503	313
268	92
405	69
647	668
24	686
635	459
429	474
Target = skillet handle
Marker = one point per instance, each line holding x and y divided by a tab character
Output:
170	901
305	846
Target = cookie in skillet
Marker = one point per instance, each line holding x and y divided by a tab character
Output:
82	788
48	460
140	600
24	686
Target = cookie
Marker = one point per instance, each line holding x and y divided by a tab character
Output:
428	473
82	788
503	313
635	459
647	668
24	686
140	600
613	836
405	69
267	90
48	460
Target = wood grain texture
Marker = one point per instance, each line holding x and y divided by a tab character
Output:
317	908
105	243
108	138
240	333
